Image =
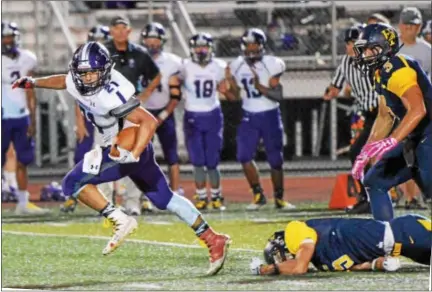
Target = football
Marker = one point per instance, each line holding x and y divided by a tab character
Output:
125	139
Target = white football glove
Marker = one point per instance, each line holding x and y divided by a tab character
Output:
255	266
390	264
124	157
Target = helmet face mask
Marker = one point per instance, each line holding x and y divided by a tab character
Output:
153	38
91	68
275	251
10	38
375	46
253	44
201	48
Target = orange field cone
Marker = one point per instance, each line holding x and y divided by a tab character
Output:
344	192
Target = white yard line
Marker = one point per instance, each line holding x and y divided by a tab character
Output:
180	245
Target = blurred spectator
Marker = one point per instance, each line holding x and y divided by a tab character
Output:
410	23
278	37
427	31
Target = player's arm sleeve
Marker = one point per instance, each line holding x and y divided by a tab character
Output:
401	80
297	233
278	68
126	108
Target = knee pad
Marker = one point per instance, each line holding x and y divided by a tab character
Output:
162	196
71	186
275	159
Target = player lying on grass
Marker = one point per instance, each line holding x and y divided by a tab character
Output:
341	244
107	100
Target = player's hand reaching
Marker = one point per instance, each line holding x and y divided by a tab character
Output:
124	157
372	150
24	82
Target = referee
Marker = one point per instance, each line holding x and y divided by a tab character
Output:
366	101
138	67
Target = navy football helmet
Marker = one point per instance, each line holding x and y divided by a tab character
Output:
91	57
153	30
99	33
10	29
253	36
276	251
201	47
376	44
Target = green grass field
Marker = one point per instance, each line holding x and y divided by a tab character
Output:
65	252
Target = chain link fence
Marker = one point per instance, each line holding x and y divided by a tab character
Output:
307	35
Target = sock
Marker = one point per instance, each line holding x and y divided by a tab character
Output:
199	174
22	197
278	193
201	228
107	210
256	189
214	176
10	178
215	193
202	194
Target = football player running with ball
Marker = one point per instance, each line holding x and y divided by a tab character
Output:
109	102
202	75
255	78
401	138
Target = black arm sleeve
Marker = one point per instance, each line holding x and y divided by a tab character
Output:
149	67
125	109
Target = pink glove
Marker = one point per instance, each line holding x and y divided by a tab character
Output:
376	149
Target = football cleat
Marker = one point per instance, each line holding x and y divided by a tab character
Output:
218	245
259	201
146	205
283	205
69	205
52	192
30	209
217	203
200	203
414	204
122	227
396	194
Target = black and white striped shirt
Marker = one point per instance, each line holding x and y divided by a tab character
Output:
361	83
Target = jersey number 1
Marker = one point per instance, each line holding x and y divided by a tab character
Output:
204	89
254	93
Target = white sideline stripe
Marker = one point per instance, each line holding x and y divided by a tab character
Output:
181	245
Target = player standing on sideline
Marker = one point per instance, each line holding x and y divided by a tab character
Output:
403	151
255	77
84	128
202	75
162	103
134	63
108	100
366	100
410	23
18	112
